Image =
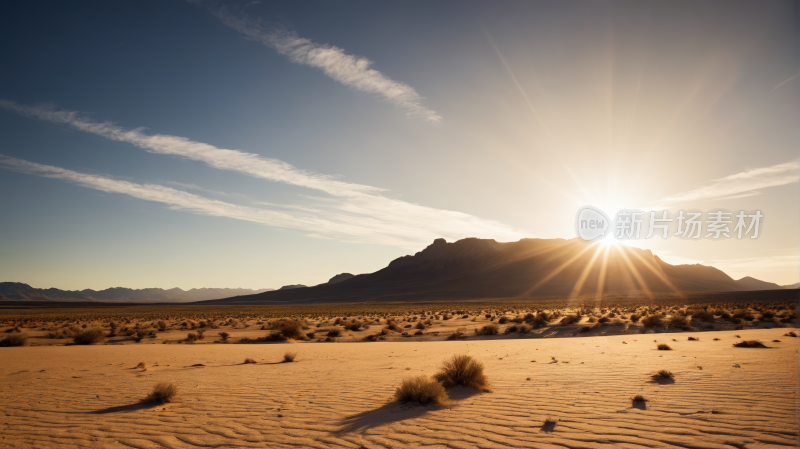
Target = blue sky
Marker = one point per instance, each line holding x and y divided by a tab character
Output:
364	130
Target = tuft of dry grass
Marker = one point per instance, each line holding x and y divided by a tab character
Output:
749	344
163	392
422	389
693	339
289	357
638	398
664	347
664	375
142	365
463	370
89	336
249	360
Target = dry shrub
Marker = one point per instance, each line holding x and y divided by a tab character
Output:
679	321
289	330
653	321
463	370
461	332
639	398
249	360
790	334
89	336
422	389
693	339
664	374
703	315
14	340
489	329
142	365
289	357
163	392
749	344
664	347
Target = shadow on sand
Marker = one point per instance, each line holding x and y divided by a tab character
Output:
656	379
548	426
641	405
395	412
127	408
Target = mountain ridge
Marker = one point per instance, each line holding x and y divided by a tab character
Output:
529	268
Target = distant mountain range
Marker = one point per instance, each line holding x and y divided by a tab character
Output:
16	291
530	268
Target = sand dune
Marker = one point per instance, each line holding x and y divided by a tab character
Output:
337	395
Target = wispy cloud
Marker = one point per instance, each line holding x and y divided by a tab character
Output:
351	227
354	212
249	163
350	70
746	183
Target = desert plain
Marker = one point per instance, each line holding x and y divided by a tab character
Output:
572	392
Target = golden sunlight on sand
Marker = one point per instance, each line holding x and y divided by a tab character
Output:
563	392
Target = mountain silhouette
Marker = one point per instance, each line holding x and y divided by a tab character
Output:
530	268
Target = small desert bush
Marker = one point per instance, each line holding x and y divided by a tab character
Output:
790	334
678	321
249	360
289	357
14	340
163	392
749	344
570	319
703	315
639	398
489	329
463	370
142	365
664	347
664	374
224	336
422	389
519	328
89	336
693	339
289	330
653	321
334	333
461	332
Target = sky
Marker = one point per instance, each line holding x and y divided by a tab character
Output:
258	144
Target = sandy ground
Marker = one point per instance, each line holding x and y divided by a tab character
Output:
337	394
